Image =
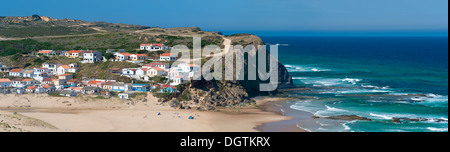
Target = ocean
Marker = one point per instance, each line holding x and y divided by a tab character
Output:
379	78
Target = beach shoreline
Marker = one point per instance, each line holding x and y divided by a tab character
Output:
89	114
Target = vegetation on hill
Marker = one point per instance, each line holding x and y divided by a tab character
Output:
101	70
43	31
36	25
23	46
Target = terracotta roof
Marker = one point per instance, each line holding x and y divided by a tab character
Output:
65	75
125	53
166	86
64	66
47	79
193	65
16	70
46	87
166	54
160	45
141	54
157	69
115	69
25	80
45	51
72	80
5	80
17	79
31	87
180	76
78	88
109	83
74	51
94	82
154	64
28	71
144	69
90	51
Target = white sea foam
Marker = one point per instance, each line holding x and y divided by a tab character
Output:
303	68
437	129
329	111
381	116
346	127
352	81
299	78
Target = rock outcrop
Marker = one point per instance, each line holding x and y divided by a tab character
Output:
345	117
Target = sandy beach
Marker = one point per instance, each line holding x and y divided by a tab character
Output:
43	113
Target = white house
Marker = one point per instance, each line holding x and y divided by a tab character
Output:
185	70
51	66
178	80
141	72
40	73
168	57
155	71
154	47
92	57
16	72
120	86
138	57
122	56
73	68
5	82
28	73
129	72
63	69
159	65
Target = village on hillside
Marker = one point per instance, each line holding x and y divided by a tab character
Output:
58	79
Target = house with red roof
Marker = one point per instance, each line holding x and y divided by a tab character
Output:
115	71
94	83
46	52
41	73
4	82
168	89
48	89
154	47
16	72
155	71
157	64
167	57
74	54
141	72
138	57
31	89
122	56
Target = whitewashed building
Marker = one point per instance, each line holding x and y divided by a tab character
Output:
154	47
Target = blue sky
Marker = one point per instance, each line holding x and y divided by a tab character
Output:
302	16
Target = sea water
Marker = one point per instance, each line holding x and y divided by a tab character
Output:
374	77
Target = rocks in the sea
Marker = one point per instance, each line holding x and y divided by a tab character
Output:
401	120
345	117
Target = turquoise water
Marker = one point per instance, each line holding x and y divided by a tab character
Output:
377	78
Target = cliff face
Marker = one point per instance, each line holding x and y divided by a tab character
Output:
211	94
284	78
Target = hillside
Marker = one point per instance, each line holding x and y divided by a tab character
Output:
101	36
